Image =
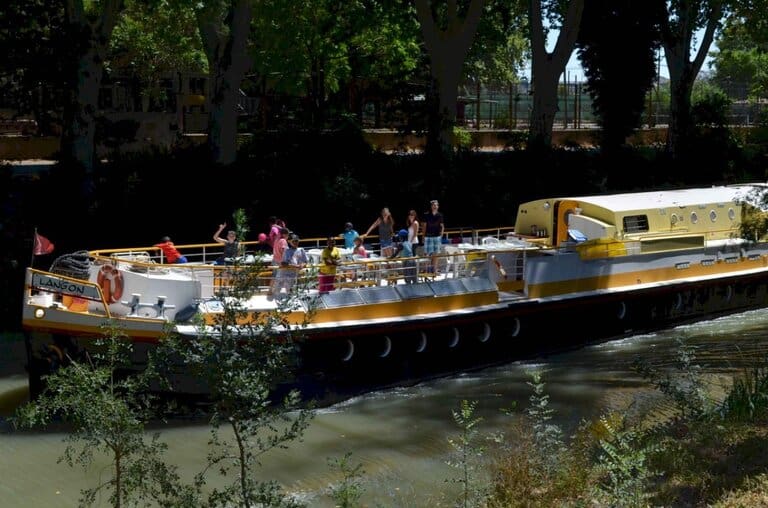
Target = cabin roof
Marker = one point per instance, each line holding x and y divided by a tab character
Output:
750	193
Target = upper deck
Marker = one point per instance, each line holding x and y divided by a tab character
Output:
705	215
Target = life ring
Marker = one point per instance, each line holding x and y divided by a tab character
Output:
111	282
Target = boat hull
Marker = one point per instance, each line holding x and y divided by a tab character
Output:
365	354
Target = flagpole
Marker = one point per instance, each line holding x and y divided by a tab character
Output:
34	240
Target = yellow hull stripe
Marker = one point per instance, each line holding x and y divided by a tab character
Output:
389	310
39	325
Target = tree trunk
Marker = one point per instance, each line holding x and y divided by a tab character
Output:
677	38
544	107
446	73
91	41
447	50
225	36
546	69
680	126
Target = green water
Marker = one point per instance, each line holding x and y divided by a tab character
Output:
400	436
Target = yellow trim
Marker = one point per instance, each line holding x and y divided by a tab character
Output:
601	248
82	329
389	310
510	285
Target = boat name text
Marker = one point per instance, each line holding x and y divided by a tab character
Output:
65	287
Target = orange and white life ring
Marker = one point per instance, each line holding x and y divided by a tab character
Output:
111	282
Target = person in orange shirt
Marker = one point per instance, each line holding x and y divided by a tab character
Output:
172	255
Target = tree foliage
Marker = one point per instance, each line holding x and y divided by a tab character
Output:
678	28
35	45
241	358
108	413
320	49
741	59
617	42
500	46
153	40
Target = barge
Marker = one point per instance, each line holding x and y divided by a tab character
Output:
570	270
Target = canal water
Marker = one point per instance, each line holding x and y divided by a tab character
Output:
399	436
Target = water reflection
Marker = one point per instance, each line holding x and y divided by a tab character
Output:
399	435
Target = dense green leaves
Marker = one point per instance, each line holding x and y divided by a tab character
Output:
153	40
107	412
617	43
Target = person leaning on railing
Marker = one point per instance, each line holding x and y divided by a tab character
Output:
172	255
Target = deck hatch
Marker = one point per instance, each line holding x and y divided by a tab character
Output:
409	291
448	287
341	299
478	284
379	294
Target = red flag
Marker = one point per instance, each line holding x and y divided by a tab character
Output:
42	245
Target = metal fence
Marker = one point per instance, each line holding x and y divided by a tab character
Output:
510	108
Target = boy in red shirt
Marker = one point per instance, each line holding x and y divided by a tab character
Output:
172	255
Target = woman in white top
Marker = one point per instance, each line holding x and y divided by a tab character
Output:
413	229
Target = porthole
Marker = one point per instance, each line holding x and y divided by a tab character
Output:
673	219
694	218
713	216
731	213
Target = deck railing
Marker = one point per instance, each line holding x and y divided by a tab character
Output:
464	257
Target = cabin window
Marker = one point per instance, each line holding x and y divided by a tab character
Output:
731	213
694	218
635	223
713	216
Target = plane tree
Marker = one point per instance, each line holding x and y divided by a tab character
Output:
34	41
152	41
617	45
742	52
448	30
89	25
678	37
500	47
384	55
224	27
548	66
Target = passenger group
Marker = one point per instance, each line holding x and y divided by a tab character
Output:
288	258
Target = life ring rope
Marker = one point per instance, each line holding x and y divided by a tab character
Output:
110	281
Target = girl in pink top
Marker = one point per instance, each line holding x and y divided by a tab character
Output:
358	249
